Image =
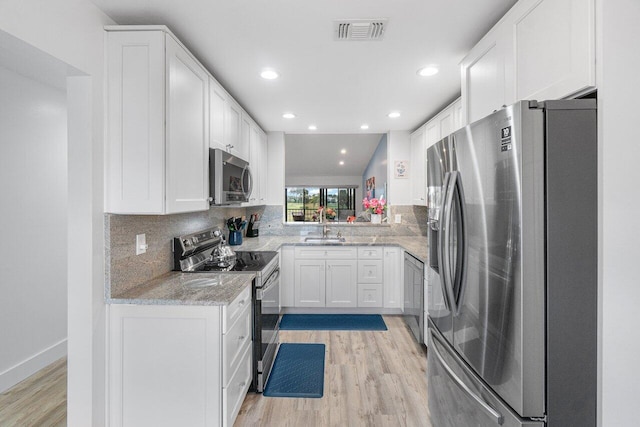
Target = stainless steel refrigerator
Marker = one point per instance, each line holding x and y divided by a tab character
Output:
512	274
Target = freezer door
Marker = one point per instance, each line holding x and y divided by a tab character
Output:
457	397
440	163
499	323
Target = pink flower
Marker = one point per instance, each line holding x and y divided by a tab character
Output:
374	202
365	203
379	210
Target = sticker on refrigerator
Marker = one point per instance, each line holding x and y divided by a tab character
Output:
505	139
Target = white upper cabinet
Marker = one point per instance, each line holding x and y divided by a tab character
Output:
541	49
235	143
554	48
217	108
164	112
157	124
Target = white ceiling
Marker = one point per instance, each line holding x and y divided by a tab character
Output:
319	155
335	85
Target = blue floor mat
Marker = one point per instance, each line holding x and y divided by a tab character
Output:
333	322
298	371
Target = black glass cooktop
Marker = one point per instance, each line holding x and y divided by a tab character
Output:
253	261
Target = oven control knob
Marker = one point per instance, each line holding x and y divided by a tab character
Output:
195	239
217	233
187	242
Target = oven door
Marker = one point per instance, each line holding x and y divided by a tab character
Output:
266	327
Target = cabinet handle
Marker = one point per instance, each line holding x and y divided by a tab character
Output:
242	384
241	337
241	302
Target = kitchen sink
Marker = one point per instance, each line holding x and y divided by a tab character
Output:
324	240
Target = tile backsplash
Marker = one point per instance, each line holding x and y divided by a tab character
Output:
125	270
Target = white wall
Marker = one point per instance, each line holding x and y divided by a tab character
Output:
398	148
72	31
619	178
33	225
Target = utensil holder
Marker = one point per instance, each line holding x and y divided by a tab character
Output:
235	238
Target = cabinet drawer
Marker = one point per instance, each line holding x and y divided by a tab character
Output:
370	271
234	343
236	308
324	252
233	395
370	252
369	295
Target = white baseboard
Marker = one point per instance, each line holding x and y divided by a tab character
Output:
25	369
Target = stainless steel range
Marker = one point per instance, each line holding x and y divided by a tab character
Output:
206	251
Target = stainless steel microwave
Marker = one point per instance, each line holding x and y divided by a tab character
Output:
230	180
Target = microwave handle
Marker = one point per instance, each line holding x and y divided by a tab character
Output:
247	191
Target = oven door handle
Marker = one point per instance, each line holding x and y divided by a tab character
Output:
270	283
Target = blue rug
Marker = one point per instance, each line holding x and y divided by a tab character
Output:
298	371
333	322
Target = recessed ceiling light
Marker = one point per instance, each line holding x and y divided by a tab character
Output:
269	74
343	151
428	71
312	127
364	126
393	114
289	116
341	162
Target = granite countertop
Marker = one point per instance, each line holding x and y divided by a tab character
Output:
175	288
415	245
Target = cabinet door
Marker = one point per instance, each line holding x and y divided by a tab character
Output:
432	135
559	60
217	101
341	283
263	173
446	121
135	122
187	125
457	115
393	289
418	161
370	271
255	152
310	283
287	276
233	118
146	346
484	81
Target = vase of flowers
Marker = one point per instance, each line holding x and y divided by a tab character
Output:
376	208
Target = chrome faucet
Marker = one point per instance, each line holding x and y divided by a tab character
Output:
325	231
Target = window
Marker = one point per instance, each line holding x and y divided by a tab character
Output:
302	203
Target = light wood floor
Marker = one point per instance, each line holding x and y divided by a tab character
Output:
371	379
40	400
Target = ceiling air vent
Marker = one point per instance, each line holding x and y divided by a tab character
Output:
359	29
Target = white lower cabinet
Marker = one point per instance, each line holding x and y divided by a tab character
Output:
287	276
340	283
309	283
393	283
175	365
342	277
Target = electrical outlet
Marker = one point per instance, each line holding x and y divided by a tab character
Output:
398	219
141	244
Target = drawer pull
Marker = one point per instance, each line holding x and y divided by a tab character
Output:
242	384
241	337
241	302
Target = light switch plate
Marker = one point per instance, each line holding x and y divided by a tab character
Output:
398	219
141	244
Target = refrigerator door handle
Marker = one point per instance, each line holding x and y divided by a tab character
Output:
486	406
444	238
461	263
443	268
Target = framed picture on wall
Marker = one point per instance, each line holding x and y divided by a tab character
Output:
371	187
401	169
